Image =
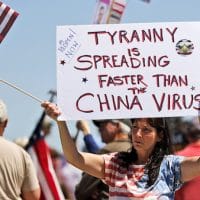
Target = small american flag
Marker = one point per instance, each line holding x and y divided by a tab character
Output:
7	18
116	11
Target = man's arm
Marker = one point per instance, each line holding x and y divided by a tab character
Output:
31	195
190	168
90	143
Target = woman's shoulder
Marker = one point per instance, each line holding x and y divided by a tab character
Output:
113	157
172	159
170	171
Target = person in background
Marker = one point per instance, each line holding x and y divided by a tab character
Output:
178	134
88	138
148	171
115	134
18	179
190	189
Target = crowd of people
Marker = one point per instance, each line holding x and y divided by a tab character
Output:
142	158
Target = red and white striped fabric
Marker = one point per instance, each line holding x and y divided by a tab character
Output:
122	181
7	18
40	155
116	11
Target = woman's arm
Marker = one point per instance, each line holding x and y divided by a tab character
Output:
90	163
190	168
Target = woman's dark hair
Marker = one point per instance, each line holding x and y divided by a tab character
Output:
161	149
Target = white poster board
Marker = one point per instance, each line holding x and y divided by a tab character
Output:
128	70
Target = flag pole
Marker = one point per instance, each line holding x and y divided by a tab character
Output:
21	90
41	119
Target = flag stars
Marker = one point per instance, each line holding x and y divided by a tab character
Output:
62	62
84	80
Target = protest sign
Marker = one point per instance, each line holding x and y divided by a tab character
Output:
128	70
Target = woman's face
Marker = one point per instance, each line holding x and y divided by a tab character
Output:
144	136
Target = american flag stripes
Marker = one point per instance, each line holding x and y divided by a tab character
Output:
116	11
7	18
39	151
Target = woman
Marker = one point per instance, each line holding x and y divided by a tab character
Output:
148	171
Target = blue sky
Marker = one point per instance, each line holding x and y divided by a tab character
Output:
28	53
